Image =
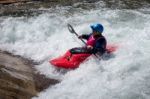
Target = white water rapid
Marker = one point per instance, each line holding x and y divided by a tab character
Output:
126	75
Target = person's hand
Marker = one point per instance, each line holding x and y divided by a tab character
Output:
89	47
80	37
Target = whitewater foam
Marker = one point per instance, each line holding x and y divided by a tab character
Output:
126	75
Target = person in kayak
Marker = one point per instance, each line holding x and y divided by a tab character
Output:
96	42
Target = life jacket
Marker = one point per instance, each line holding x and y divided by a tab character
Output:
91	41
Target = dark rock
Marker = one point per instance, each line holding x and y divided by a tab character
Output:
12	1
18	78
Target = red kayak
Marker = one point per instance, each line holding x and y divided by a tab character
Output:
71	61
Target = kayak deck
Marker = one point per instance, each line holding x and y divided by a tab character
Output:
71	61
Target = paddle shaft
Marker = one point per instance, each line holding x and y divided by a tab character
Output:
71	29
80	39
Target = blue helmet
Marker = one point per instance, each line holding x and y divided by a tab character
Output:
97	27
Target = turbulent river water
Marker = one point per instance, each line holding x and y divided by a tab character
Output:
125	75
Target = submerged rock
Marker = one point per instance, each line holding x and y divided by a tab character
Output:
18	78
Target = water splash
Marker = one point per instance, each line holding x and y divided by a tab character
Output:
125	76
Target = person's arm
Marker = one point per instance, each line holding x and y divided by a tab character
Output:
84	36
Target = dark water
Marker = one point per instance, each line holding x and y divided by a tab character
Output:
127	4
34	7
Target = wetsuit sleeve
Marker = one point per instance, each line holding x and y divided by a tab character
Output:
100	46
85	36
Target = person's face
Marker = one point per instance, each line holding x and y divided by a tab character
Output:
96	33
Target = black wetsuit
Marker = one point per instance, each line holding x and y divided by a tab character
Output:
99	46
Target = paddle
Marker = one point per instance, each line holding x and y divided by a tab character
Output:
71	29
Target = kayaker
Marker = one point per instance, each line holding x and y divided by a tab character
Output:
96	42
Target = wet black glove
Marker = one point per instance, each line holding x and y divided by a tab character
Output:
80	37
